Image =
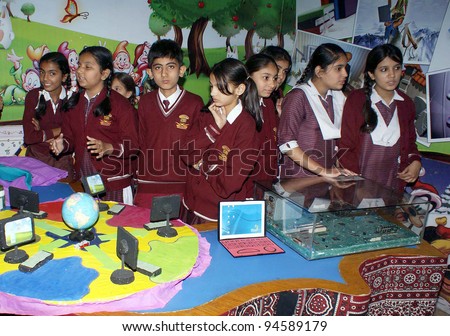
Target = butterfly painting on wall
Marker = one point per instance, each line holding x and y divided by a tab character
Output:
72	13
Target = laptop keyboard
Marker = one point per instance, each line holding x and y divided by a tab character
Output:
245	243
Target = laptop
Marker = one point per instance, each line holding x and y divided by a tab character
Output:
242	229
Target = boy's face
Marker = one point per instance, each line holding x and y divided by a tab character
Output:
166	72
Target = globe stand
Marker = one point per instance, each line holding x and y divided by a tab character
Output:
80	235
16	256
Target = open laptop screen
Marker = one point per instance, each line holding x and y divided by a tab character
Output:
241	219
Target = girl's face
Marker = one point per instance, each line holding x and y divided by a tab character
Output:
387	76
266	80
283	71
89	74
51	77
333	77
118	86
227	102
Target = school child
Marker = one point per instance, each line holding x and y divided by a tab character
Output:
124	84
378	134
43	117
165	117
223	146
311	119
99	126
284	64
263	70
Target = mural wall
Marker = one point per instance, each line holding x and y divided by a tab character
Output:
208	31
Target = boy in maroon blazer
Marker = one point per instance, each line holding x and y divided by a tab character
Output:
165	116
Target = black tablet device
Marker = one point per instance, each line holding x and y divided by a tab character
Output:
16	231
24	200
165	207
93	184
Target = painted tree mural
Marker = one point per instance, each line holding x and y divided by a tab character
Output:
194	14
28	9
264	17
160	27
267	19
227	25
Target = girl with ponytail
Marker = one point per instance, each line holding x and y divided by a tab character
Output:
378	134
43	117
223	145
310	123
99	127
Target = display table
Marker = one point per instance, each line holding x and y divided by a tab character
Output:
399	281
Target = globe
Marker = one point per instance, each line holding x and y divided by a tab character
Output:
80	211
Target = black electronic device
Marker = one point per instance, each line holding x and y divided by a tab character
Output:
116	209
127	251
35	261
165	208
93	185
384	13
16	231
26	201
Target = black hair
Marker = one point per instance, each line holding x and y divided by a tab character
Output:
324	55
278	54
104	59
165	48
375	56
63	65
129	84
257	62
233	71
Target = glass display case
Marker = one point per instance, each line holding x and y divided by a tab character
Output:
320	218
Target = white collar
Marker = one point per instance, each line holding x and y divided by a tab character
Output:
235	112
47	97
330	130
172	98
375	97
314	90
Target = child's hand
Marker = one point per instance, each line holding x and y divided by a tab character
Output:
278	106
410	173
219	115
98	147
35	122
57	145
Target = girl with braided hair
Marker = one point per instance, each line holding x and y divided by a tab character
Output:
43	116
378	135
311	116
99	127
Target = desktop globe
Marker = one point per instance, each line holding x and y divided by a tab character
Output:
80	212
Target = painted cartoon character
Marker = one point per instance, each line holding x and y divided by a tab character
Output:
35	55
24	82
72	58
140	65
121	57
6	30
232	52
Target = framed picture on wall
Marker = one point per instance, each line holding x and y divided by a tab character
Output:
438	104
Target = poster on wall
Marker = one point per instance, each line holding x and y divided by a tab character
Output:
411	25
438	93
440	59
207	30
334	19
306	43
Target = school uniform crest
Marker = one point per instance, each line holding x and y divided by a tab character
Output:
183	123
224	155
106	120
